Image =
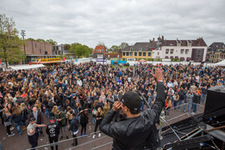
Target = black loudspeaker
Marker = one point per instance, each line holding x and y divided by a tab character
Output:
214	111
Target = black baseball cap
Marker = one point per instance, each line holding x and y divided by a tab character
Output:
132	101
32	119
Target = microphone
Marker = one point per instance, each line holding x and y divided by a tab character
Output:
110	100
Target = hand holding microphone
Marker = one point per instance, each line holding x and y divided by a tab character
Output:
117	106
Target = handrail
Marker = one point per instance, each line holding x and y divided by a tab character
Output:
90	141
71	139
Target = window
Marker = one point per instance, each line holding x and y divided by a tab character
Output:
144	53
157	53
40	51
182	51
186	51
167	51
46	52
35	45
131	53
171	51
140	49
140	53
135	53
127	53
124	54
149	53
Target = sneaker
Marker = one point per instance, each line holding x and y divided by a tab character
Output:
61	137
67	137
85	134
12	134
12	128
193	113
99	134
93	136
81	135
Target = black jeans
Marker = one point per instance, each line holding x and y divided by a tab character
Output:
2	118
75	142
53	141
33	140
8	129
83	128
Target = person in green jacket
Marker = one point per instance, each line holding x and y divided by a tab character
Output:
62	122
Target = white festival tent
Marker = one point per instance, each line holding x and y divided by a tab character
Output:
222	63
21	67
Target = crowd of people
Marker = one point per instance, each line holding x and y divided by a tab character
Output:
69	94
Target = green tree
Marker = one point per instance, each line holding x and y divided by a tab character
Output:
66	46
51	41
123	45
10	43
80	50
40	40
31	39
115	48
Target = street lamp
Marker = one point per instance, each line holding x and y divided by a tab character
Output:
23	35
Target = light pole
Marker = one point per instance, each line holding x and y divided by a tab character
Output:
23	35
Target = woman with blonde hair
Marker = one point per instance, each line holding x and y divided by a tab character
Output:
17	118
7	121
99	118
69	113
54	110
106	109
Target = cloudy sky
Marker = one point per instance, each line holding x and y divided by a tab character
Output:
114	21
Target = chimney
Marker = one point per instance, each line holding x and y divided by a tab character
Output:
162	38
153	39
198	41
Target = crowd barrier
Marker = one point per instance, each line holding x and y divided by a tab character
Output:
84	142
105	142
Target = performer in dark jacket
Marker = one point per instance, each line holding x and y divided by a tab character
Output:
138	130
74	124
53	133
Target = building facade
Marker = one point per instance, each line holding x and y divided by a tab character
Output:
140	50
99	52
185	50
36	49
59	50
216	52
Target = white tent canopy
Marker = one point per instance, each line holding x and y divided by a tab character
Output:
21	67
222	63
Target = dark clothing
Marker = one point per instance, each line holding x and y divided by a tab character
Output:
39	119
53	133
74	124
33	140
62	116
99	118
139	132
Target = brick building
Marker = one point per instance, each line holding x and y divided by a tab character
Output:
36	49
99	51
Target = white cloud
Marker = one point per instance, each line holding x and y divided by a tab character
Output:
116	21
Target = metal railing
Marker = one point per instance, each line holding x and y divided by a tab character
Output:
105	141
86	144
